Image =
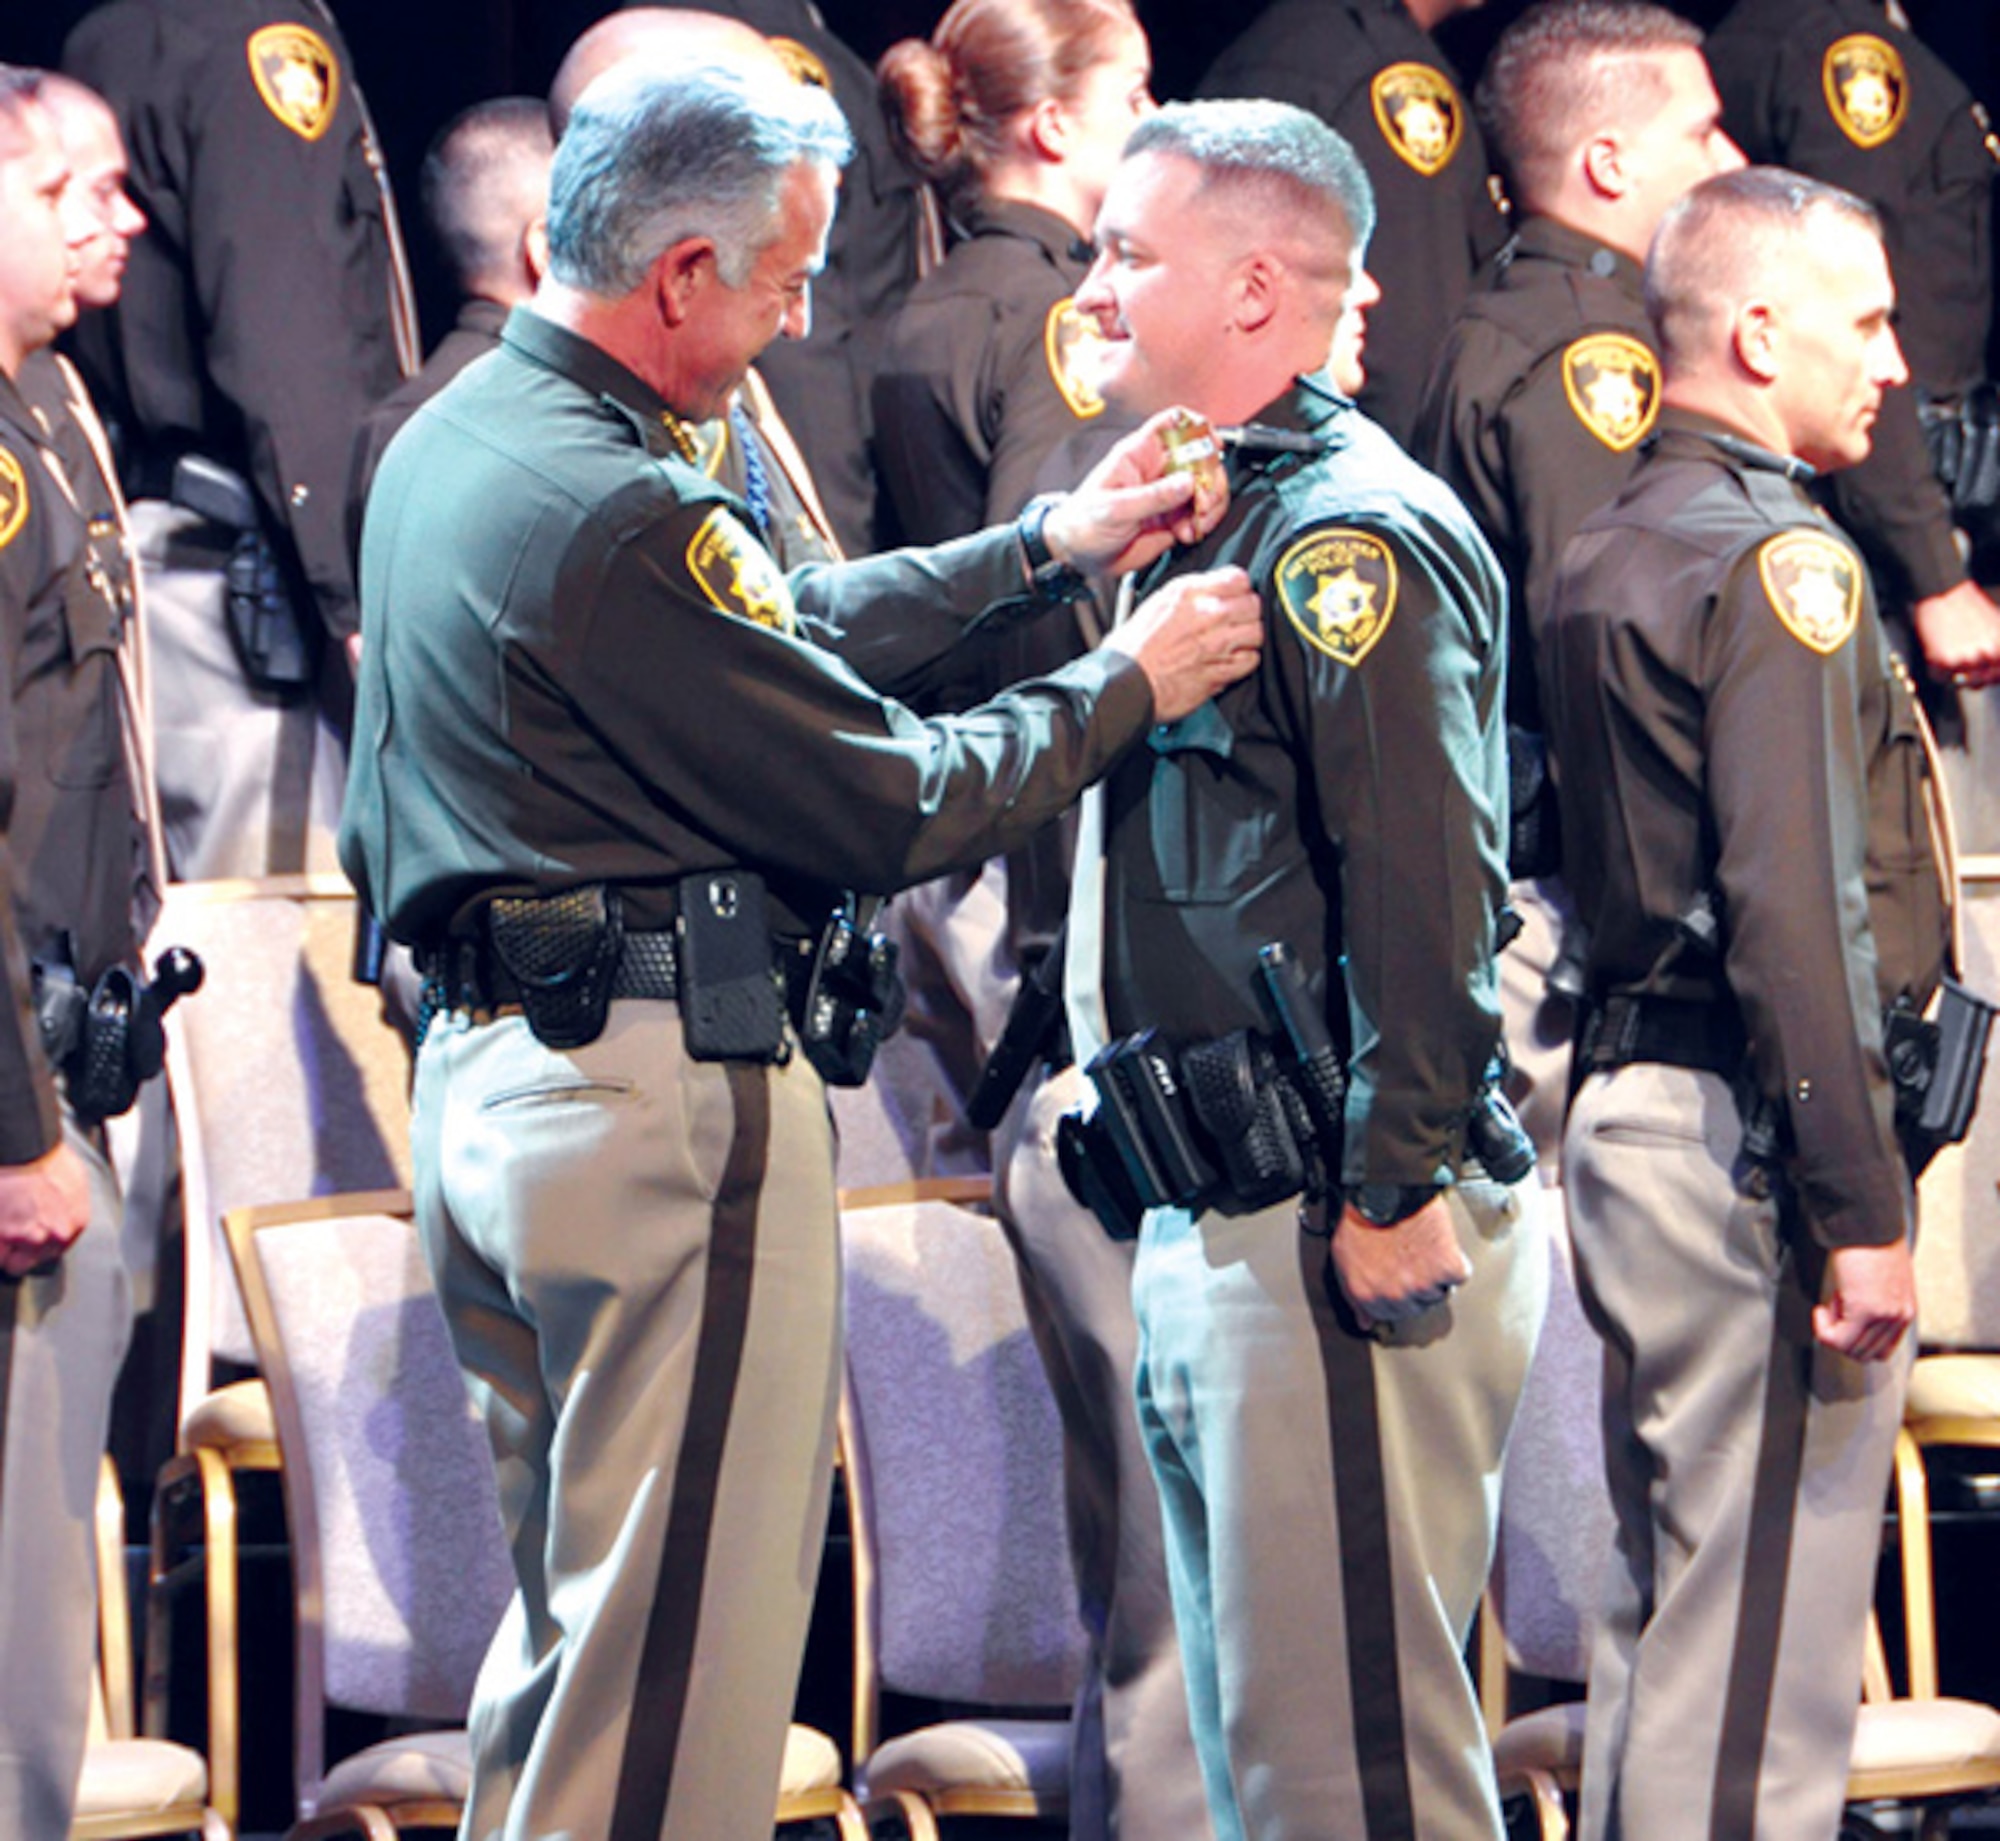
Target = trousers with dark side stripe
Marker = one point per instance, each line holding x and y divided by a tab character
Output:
1330	1503
1748	1468
638	1257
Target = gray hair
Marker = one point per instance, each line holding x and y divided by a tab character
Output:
1279	160
1724	239
654	155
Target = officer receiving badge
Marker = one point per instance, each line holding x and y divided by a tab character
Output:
1613	383
1419	114
1814	587
1075	349
298	77
1867	88
13	498
737	573
1338	587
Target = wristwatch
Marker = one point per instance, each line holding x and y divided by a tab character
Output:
1049	579
1385	1204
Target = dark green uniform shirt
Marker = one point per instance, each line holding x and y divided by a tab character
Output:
580	666
1348	798
1729	736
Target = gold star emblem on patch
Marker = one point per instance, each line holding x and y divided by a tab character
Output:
1338	588
738	575
804	65
1420	115
1612	381
298	76
1075	349
1814	586
1867	88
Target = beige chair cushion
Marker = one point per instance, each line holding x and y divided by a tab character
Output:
419	1767
977	1754
812	1762
1903	1735
139	1776
1955	1387
239	1414
1550	1739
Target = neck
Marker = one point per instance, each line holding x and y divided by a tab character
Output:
627	329
1601	219
1047	185
1430	13
1742	411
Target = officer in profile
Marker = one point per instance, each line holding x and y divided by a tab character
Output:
612	788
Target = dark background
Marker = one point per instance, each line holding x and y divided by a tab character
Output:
420	61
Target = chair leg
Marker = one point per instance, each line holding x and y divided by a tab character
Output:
906	1811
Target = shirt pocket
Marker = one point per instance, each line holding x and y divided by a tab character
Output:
89	748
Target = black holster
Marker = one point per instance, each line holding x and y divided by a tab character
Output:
109	1042
1935	1066
847	999
562	953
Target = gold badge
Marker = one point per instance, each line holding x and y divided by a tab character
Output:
1338	587
1419	114
13	498
737	574
298	77
1814	585
803	64
1867	88
1075	350
710	441
1613	384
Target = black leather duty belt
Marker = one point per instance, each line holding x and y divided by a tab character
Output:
468	975
1614	1032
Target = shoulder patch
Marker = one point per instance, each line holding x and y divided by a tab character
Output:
298	76
738	574
1338	587
1867	88
804	65
1814	586
13	498
1420	114
1612	381
1075	351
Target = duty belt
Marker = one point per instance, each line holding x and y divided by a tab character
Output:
1615	1031
465	974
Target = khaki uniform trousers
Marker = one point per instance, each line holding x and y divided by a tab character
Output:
638	1258
1748	1468
62	1338
1331	1501
1133	1768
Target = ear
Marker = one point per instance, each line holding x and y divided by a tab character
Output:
1046	130
1755	337
1254	292
1603	163
535	249
679	275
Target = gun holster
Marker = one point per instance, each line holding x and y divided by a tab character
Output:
110	1042
1935	1067
850	1001
1963	439
264	623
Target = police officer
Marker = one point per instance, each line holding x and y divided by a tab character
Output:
1325	1409
604	762
1728	730
1601	115
261	317
67	849
1372	70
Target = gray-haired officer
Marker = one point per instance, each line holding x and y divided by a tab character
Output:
609	786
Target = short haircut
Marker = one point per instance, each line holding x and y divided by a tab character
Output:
484	181
1723	240
654	155
20	90
1274	160
1564	70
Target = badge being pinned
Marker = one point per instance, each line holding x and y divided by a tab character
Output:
738	575
13	498
1075	351
1867	88
1419	114
1338	587
1613	383
298	76
1814	585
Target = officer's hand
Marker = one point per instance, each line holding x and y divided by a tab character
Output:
1130	508
43	1207
1197	634
1871	1299
1391	1274
1959	632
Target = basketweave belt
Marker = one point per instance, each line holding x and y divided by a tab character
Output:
468	975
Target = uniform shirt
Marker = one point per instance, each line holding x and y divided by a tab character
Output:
1367	69
1728	733
258	320
67	844
1831	88
580	667
1348	797
1546	385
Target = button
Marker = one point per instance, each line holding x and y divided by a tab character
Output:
1603	264
1803	1092
300	494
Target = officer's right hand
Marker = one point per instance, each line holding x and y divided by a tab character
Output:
1390	1274
44	1205
1870	1300
1196	635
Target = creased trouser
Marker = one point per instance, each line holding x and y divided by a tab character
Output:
638	1257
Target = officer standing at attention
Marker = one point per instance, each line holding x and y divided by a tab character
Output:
261	317
1600	115
1727	730
608	787
1326	1385
67	857
1371	69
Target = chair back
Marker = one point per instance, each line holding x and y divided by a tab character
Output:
400	1565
